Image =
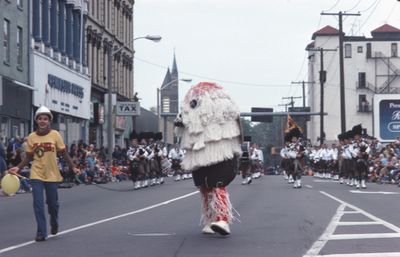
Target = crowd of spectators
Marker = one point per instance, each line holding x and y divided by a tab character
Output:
92	161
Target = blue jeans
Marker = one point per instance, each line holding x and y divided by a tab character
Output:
50	188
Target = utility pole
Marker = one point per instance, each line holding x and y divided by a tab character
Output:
341	64
303	83
322	80
291	103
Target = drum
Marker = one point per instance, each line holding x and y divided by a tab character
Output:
10	184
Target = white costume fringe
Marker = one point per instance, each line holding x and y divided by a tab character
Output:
211	131
216	205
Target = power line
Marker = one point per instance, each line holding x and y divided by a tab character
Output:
332	6
370	14
352	8
369	6
215	79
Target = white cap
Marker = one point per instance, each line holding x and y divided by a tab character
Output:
43	110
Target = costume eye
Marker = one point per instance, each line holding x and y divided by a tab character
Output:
193	103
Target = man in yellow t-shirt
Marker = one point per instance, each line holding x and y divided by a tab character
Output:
42	148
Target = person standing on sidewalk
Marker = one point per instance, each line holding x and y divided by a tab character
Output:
43	145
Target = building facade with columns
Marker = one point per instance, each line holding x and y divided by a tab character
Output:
15	89
58	67
110	28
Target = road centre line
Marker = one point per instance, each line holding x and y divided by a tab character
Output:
10	248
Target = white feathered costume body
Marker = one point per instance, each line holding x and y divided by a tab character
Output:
211	130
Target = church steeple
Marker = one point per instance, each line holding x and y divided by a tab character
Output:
167	78
174	71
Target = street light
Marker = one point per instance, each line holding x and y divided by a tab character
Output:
110	128
163	114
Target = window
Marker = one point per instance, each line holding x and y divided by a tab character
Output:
6	40
19	3
393	50
359	49
369	50
347	50
361	80
19	47
363	103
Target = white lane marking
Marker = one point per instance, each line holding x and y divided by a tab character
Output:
7	249
374	192
151	234
326	181
323	239
372	217
391	254
328	233
358	223
309	186
351	212
364	236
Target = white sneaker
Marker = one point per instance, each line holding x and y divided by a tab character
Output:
158	181
295	184
298	183
153	182
351	182
161	180
136	185
341	180
177	177
221	227
190	175
249	180
363	186
244	182
207	230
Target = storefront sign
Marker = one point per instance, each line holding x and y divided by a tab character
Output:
128	108
65	86
387	117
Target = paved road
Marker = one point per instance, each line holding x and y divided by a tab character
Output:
323	218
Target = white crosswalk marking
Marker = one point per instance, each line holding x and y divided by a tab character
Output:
328	234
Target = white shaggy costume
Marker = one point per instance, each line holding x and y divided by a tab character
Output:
210	131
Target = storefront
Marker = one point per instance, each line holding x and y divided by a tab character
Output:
66	93
15	109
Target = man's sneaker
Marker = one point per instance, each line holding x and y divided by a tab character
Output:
40	238
221	227
244	182
54	230
341	180
207	230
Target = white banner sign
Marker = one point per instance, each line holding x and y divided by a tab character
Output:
128	108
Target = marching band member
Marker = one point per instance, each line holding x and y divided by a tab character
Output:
176	156
362	149
257	159
210	132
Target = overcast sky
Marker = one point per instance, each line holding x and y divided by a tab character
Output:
253	48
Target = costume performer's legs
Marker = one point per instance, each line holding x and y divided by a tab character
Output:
216	206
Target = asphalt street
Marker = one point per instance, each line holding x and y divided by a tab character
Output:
323	218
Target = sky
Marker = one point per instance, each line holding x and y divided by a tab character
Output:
253	48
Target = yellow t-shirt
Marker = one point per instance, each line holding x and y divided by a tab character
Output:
44	149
